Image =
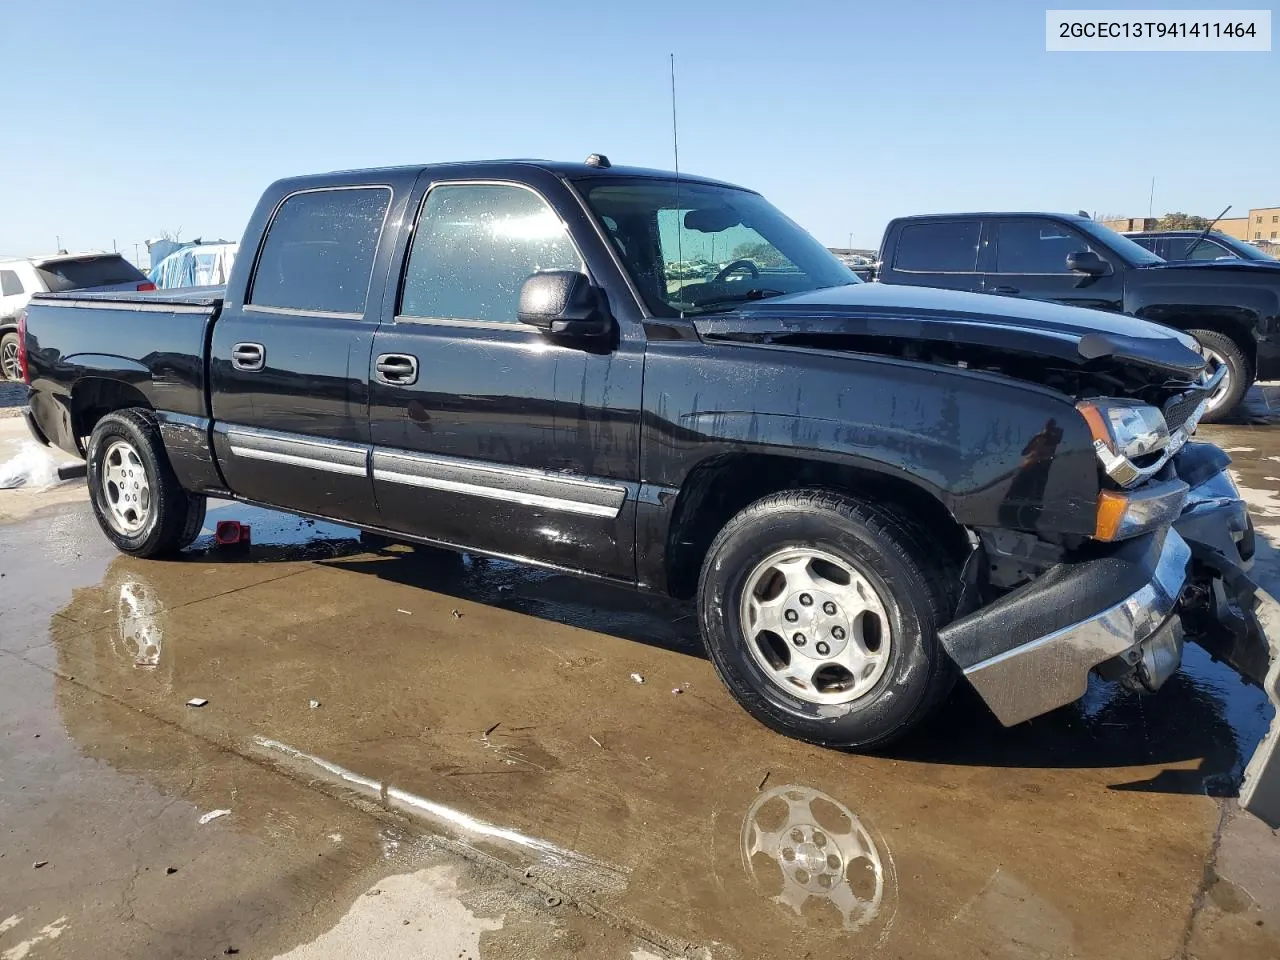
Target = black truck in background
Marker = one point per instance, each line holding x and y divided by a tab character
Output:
869	490
1230	307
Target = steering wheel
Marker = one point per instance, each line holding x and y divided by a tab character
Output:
738	265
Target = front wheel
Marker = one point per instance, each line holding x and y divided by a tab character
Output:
1221	351
138	501
820	613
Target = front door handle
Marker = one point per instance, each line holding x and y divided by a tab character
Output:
396	369
248	356
1006	291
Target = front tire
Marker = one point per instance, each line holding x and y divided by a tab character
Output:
136	497
820	613
1221	350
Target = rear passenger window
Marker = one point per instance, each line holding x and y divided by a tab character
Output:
10	285
319	251
475	246
946	247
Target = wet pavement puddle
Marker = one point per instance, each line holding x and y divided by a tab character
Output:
484	759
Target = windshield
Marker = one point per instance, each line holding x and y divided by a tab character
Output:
92	272
1135	253
1245	251
714	248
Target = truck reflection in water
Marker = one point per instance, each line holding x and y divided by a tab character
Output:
821	851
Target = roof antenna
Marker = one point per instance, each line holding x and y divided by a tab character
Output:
675	149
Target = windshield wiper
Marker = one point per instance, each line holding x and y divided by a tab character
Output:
756	293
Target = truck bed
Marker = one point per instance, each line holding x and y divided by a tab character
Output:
82	344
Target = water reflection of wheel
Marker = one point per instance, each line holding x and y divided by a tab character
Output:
138	629
822	850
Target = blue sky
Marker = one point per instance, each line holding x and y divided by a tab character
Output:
124	120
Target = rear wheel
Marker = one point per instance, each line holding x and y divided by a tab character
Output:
1221	351
821	611
10	365
136	498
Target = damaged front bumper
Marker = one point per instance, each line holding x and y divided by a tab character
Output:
1125	614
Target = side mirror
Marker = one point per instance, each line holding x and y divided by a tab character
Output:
1088	262
564	302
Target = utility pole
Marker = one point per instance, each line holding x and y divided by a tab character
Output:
850	247
137	257
1151	200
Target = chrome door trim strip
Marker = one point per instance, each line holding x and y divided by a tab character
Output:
531	488
328	456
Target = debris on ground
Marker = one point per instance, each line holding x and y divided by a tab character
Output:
763	781
595	741
213	815
677	689
232	533
170	871
314	704
197	702
457	615
637	678
39	863
407	613
491	729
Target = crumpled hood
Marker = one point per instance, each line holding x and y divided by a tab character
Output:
1033	327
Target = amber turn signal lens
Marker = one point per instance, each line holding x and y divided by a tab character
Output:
1111	509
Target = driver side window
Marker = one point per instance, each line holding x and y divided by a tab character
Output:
691	257
1036	246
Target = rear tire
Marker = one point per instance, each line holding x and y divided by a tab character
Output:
136	497
1223	350
10	368
902	584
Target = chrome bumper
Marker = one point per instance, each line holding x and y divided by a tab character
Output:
1199	582
1054	670
1260	789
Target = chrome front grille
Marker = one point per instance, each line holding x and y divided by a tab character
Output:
1180	408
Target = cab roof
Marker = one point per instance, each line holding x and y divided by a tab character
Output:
503	169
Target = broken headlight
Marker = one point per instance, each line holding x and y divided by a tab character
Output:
1130	438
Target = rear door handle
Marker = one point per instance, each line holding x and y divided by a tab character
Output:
248	356
1007	291
396	369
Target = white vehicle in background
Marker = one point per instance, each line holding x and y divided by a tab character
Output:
19	279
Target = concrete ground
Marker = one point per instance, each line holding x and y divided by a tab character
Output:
409	755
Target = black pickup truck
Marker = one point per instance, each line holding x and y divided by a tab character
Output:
1231	307
870	490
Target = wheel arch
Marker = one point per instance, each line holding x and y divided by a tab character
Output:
92	398
719	487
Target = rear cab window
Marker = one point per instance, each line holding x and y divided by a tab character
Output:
943	246
319	251
62	275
